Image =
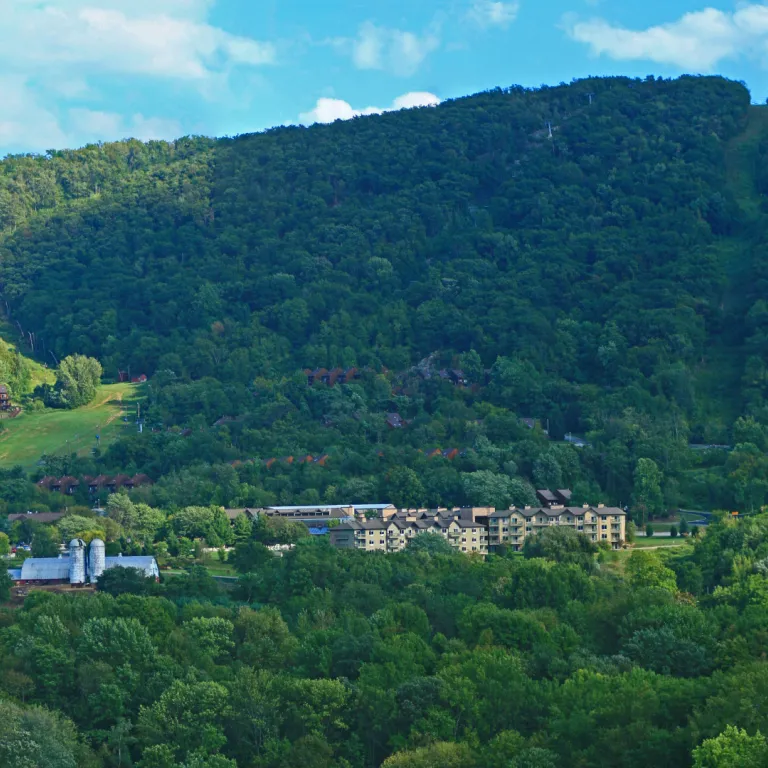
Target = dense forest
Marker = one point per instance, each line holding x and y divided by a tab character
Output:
588	257
422	659
493	275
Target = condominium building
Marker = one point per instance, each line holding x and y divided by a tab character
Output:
394	534
480	530
511	526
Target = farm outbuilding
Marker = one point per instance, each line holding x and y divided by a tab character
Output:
78	568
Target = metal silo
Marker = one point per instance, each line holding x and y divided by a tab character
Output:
96	560
77	561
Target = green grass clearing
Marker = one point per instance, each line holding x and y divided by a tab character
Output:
642	542
26	438
215	567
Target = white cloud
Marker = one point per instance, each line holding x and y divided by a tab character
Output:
163	39
52	51
105	126
329	110
696	41
24	122
383	48
488	13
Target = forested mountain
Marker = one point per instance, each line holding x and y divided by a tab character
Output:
592	254
492	274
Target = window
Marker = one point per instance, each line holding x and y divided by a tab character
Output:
604	536
604	527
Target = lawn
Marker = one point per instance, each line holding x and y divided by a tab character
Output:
642	542
26	438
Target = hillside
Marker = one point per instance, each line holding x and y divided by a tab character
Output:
21	372
61	433
596	266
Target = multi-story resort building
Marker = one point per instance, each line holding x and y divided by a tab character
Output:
511	526
480	529
394	534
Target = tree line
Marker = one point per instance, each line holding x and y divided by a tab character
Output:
423	659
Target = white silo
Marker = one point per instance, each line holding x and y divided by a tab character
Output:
77	561
97	560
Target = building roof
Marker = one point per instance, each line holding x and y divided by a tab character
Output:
351	525
469	524
37	517
15	574
374	525
233	514
45	569
310	507
547	496
142	563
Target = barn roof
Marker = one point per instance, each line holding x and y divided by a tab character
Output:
45	569
146	564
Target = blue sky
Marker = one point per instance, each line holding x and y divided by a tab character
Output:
78	71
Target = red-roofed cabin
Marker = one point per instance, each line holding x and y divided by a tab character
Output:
123	481
450	453
321	460
69	485
308	459
139	379
432	454
316	375
287	459
141	479
332	377
269	462
47	482
104	482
